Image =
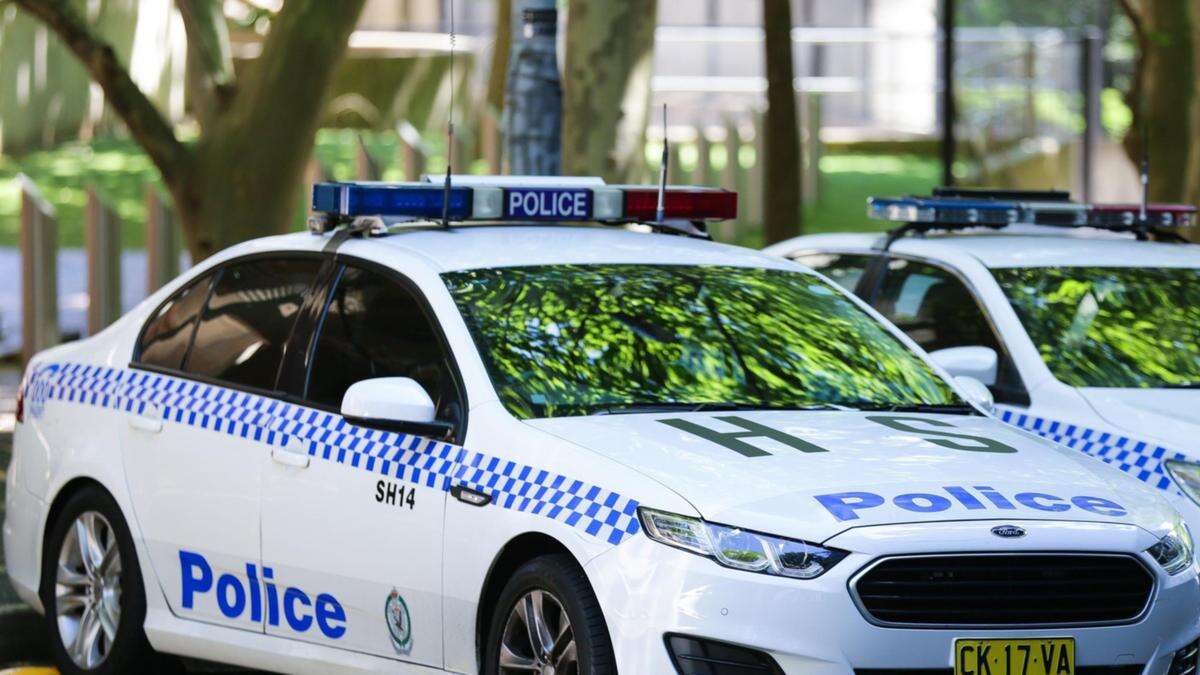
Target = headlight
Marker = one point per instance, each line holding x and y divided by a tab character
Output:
1174	551
740	549
1187	478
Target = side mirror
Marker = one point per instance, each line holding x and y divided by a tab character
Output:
976	392
979	363
394	404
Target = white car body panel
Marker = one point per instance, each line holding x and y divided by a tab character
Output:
205	482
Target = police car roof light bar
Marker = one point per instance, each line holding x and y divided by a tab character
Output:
957	208
516	200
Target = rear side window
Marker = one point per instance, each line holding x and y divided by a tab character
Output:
844	269
375	327
166	337
248	318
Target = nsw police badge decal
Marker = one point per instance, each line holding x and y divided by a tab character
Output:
399	623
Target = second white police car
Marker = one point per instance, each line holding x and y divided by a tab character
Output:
514	446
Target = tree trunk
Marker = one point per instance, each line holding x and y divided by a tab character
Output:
782	177
606	86
1161	96
248	166
501	48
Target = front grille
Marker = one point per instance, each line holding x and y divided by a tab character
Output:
1186	660
1032	589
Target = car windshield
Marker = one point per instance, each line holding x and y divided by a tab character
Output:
566	340
1111	326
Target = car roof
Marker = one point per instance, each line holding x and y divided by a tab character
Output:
1021	246
483	246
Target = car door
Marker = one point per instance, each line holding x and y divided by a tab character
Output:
358	527
199	435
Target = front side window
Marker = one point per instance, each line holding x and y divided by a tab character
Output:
247	320
1111	326
567	340
375	328
845	269
933	307
165	339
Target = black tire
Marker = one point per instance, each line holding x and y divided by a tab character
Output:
561	577
127	651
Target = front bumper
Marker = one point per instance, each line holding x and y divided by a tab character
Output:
648	590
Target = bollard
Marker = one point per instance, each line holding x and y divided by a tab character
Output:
732	180
756	182
39	278
411	150
811	192
162	240
490	141
314	173
703	174
364	165
102	230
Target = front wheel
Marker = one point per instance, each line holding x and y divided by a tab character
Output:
92	589
548	622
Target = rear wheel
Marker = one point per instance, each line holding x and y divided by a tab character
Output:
548	622
92	589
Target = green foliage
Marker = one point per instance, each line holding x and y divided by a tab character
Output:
117	168
574	339
1111	327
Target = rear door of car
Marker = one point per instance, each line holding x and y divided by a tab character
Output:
200	434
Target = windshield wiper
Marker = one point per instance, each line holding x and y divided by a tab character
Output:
943	408
709	406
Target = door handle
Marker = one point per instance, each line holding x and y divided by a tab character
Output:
149	420
292	458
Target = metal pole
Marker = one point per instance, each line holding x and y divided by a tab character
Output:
949	113
1092	60
39	276
533	101
102	229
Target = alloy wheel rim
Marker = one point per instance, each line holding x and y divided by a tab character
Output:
87	590
538	638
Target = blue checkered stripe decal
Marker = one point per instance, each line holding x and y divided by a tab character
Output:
1137	458
598	512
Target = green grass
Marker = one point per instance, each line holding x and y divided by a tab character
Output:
120	171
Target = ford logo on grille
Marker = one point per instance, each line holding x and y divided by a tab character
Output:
1008	531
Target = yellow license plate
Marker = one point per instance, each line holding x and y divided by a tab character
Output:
1043	656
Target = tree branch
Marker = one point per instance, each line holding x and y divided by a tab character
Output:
147	125
210	60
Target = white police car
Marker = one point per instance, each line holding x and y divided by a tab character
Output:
1086	333
543	448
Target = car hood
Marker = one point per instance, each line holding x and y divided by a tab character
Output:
812	475
1170	416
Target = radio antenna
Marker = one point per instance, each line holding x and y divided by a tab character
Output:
449	127
662	173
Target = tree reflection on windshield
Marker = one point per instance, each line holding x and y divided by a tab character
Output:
577	339
1111	327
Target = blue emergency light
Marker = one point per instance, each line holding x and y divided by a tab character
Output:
520	199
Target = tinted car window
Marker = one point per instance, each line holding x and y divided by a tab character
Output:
375	328
166	337
933	307
845	269
247	320
938	311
